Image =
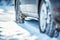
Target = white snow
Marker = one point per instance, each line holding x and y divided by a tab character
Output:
12	30
1	11
8	16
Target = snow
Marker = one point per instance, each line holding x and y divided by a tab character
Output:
1	11
7	16
12	30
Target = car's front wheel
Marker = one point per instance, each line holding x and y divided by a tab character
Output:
43	16
47	24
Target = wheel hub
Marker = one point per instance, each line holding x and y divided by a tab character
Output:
43	17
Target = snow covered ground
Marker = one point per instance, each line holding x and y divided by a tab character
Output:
7	14
33	27
12	30
9	30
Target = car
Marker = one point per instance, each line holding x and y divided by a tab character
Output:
46	11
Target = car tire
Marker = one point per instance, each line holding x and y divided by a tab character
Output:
51	29
50	25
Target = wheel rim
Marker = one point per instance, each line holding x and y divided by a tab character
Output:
43	17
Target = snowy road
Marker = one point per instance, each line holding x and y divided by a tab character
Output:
33	27
13	31
9	30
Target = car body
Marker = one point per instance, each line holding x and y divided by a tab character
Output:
29	8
